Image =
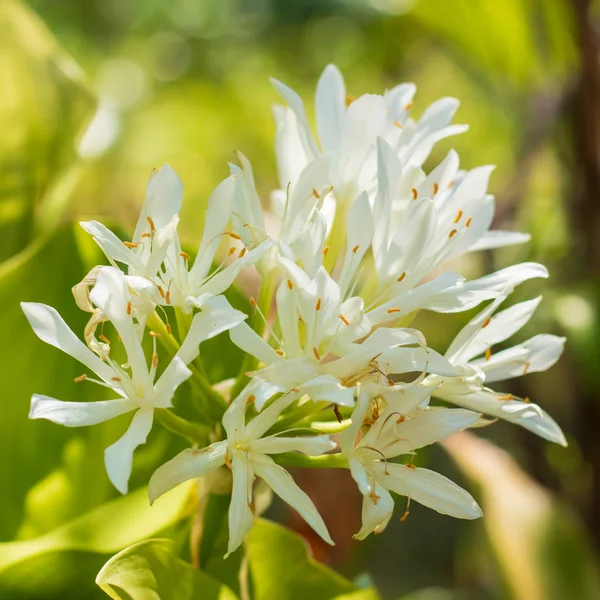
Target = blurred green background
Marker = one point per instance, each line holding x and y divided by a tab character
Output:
95	93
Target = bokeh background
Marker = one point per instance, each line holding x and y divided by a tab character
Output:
95	93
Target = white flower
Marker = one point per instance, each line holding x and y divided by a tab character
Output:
133	383
155	254
394	434
247	452
476	340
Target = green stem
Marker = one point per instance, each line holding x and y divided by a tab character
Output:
193	432
325	461
265	298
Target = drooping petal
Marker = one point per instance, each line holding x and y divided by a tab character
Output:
49	326
283	485
118	458
189	464
240	511
527	415
428	488
311	446
377	510
78	414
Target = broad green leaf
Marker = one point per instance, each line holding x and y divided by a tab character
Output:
541	548
106	529
43	105
151	570
281	567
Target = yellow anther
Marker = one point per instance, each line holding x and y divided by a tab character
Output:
154	334
290	284
409	105
415	194
398	124
355	249
316	353
318	305
400	419
526	367
232	250
184	255
251	399
146	235
279	351
235	236
161	291
506	397
526	400
349	100
374	497
393	310
436	188
404	516
410	466
315	193
401	278
344	320
151	222
252	301
468	221
243	251
115	378
82	377
458	217
168	326
129	308
488	354
486	322
168	297
130	245
155	360
452	234
325	250
104	338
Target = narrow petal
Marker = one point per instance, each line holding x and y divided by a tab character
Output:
377	510
360	476
538	353
427	428
78	414
527	415
240	509
244	337
311	446
330	106
283	485
217	316
118	458
499	239
49	326
189	464
428	488
111	245
348	436
172	377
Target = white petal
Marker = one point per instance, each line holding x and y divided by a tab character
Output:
527	415
427	428
216	316
348	436
49	326
330	106
377	510
407	360
244	337
111	295
164	196
172	377
428	488
501	326
111	245
326	387
360	476
189	464
536	354
292	157
311	446
118	458
78	414
499	239
240	513
281	482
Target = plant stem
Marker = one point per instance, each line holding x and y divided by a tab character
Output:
325	461
193	432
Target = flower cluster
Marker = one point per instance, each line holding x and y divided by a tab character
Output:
357	241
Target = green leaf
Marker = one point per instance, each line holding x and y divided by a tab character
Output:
43	105
150	570
281	567
106	529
